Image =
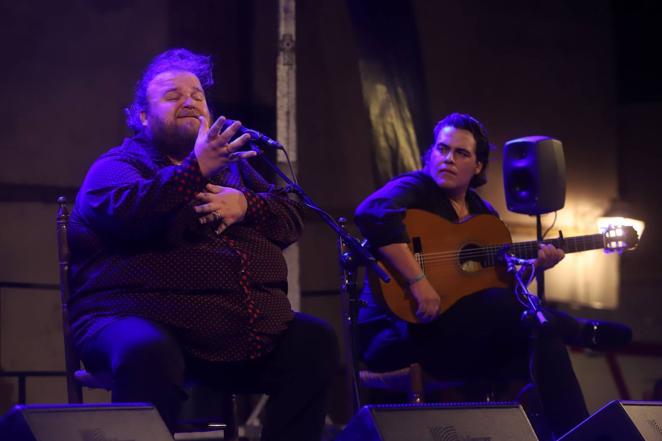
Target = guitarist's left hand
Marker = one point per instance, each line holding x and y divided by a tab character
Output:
548	256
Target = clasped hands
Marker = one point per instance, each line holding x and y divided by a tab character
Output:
215	149
221	205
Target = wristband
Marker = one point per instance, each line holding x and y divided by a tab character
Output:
416	279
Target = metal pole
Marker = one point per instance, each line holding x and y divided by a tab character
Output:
540	273
286	124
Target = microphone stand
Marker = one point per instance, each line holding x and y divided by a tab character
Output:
351	255
530	301
533	317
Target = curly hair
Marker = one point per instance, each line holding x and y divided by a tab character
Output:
483	146
170	60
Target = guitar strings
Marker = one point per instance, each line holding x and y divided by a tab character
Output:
468	253
495	248
489	251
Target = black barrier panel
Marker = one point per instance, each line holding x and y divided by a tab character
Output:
84	422
621	421
440	422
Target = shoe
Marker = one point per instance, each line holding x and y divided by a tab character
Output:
603	335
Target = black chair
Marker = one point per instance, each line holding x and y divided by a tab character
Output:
77	377
410	380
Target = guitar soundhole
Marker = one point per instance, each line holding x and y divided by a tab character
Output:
471	259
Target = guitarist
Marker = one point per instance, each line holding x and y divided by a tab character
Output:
479	337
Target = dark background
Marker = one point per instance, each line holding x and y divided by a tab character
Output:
583	72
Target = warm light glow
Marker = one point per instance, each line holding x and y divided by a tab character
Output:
605	222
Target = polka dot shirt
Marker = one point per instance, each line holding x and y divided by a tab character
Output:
138	249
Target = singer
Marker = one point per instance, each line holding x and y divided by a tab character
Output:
480	337
177	267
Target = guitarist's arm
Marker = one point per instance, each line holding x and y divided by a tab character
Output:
400	258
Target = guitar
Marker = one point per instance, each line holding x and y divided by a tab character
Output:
461	258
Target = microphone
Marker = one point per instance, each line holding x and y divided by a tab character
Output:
505	257
256	137
518	261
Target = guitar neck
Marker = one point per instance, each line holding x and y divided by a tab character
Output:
529	250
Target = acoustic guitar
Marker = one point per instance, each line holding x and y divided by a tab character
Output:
461	258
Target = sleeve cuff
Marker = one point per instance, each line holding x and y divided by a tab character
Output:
188	177
388	239
256	211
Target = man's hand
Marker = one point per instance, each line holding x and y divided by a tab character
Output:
548	256
429	303
213	148
224	205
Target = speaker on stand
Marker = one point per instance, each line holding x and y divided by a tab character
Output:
534	181
534	175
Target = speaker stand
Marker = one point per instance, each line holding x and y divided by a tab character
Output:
540	273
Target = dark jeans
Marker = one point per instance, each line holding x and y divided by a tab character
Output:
481	337
147	365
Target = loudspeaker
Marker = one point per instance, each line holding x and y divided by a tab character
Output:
440	422
621	421
84	422
534	175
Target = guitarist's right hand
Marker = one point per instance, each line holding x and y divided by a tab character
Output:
402	260
429	302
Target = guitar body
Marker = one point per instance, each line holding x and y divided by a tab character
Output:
449	263
461	258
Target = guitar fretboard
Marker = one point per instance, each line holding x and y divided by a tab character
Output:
529	250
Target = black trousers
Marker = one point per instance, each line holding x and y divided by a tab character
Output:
482	337
147	365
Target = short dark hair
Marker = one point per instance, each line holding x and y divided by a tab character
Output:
483	146
170	60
